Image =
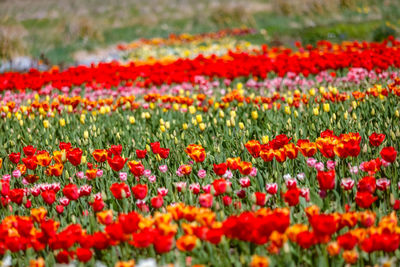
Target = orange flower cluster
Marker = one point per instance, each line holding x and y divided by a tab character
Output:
344	145
196	152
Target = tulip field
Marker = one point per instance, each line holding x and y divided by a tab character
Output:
209	152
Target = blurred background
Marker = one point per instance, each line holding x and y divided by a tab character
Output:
62	32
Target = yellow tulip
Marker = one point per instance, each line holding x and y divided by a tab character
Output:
287	110
46	124
192	110
199	118
265	139
254	114
326	107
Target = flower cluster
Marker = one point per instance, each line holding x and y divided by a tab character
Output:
100	166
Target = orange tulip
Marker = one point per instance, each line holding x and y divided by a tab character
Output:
186	243
43	159
38	214
55	170
100	155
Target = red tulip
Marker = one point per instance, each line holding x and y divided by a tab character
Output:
65	146
326	179
305	239
136	168
155	147
16	195
129	222
279	142
220	186
389	154
84	254
97	205
376	139
60	209
71	192
365	199
49	196
116	150
141	154
220	169
260	198
116	163
227	200
63	257
163	244
4	187
74	156
140	191
14	157
30	163
120	190
324	224
347	241
367	184
163	152
29	151
292	196
157	202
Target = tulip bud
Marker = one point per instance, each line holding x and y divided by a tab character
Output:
287	110
254	114
46	124
326	107
192	110
265	139
392	199
392	135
